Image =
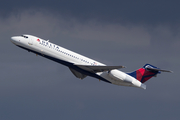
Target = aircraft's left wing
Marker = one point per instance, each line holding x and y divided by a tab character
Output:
78	74
95	69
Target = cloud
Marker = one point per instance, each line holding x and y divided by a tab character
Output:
49	25
114	11
35	86
125	35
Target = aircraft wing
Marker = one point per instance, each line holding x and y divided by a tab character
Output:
96	69
78	74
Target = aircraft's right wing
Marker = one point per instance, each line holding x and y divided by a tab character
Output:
95	69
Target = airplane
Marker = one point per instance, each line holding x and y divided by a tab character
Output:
82	66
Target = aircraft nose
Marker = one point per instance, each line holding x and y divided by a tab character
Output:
14	39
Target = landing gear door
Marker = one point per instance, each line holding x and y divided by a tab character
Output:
30	42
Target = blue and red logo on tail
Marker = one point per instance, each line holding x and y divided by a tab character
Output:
143	74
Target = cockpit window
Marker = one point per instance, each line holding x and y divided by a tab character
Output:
24	36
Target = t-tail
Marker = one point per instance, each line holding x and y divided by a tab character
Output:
146	72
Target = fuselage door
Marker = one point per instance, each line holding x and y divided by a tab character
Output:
30	42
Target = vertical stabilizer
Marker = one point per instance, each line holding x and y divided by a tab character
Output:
145	73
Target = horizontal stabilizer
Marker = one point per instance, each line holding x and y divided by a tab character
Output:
156	69
95	69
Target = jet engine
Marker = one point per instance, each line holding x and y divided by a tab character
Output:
117	75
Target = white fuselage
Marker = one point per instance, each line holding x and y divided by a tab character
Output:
70	59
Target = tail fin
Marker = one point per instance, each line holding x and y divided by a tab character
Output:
146	72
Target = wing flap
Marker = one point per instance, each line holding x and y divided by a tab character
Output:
96	69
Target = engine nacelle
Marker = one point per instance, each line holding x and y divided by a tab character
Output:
117	75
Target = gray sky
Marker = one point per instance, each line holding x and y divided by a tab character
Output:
113	32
